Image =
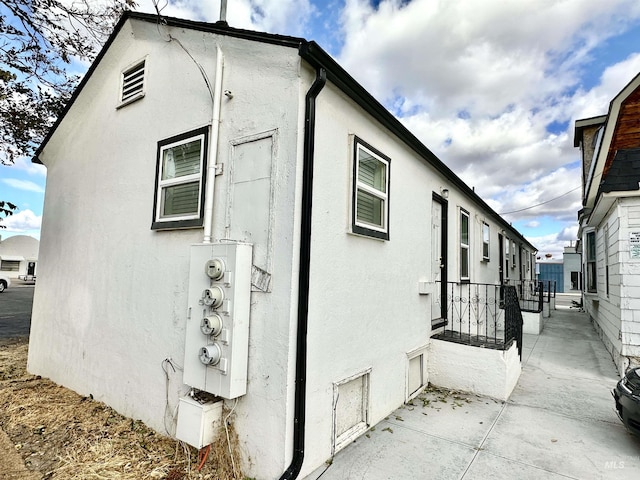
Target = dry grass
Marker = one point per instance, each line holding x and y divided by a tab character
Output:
62	435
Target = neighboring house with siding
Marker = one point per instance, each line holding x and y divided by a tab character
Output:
19	256
234	202
610	223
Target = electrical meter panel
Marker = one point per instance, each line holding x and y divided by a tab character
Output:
217	332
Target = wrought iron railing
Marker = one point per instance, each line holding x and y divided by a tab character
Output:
532	294
482	315
549	289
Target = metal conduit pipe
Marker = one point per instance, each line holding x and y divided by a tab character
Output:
303	277
213	150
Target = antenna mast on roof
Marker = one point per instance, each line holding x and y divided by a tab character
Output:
223	12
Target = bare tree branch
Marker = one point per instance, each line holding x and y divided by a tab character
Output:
39	39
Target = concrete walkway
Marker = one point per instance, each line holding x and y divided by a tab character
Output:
559	423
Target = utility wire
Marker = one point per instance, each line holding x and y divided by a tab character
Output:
543	203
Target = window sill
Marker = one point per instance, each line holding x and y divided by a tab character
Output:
177	225
129	101
366	233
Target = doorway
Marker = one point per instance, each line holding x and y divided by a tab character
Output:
439	239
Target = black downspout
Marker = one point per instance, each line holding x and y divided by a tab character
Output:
303	277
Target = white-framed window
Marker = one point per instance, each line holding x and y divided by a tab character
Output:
132	83
464	245
513	254
592	276
486	238
370	203
180	180
606	258
507	242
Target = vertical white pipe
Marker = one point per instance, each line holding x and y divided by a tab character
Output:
213	149
223	11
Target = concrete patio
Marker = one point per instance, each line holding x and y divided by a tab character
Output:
559	423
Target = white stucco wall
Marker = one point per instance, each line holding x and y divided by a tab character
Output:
532	323
479	370
365	313
110	304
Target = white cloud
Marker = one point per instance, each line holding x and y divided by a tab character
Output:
273	16
480	82
484	56
569	234
22	221
554	243
26	165
614	78
549	244
23	185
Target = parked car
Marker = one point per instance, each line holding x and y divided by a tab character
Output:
4	283
627	396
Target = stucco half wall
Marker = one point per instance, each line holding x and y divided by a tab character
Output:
478	370
532	323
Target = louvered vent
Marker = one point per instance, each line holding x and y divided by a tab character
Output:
133	82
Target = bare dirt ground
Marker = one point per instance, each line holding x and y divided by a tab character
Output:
50	432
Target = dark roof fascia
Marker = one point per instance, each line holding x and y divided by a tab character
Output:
316	56
586	122
219	27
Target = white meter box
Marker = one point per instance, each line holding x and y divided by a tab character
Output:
198	423
217	331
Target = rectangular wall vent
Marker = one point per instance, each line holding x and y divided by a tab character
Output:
350	409
133	83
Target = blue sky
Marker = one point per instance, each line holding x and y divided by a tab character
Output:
493	87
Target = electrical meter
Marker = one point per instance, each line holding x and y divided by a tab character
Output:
213	297
214	268
211	325
218	315
210	355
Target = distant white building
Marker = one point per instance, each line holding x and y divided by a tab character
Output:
235	204
19	255
572	264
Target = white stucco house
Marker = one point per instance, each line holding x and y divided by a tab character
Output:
234	205
610	223
19	256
